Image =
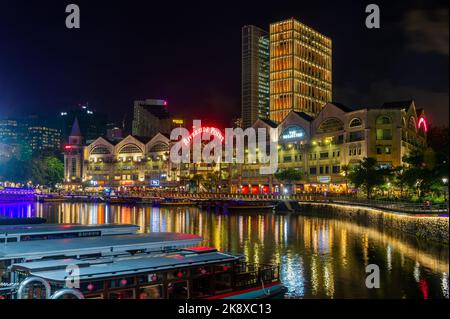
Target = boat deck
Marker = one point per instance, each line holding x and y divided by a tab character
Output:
96	245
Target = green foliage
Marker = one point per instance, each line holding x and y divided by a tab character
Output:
41	169
424	172
368	175
289	175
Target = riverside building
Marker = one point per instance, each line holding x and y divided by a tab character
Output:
319	147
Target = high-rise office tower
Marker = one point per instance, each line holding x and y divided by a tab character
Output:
255	75
300	69
92	123
150	118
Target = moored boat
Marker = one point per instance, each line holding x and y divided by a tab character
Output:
190	273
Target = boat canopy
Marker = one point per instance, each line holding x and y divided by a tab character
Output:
109	245
130	266
39	229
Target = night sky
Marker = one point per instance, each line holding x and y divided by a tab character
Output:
189	52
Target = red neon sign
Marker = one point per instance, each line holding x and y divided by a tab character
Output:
422	122
211	130
68	147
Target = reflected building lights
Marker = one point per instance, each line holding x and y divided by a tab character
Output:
444	285
416	272
389	257
314	253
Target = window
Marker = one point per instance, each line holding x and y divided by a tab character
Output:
129	149
383	120
100	150
321	169
336	169
356	136
327	169
287	159
384	134
323	155
151	292
160	147
387	150
312	170
74	167
355	122
330	125
412	123
379	151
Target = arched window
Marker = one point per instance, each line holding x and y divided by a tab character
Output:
383	120
355	122
130	149
160	147
100	150
330	125
412	123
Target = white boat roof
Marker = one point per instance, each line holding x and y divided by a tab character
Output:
58	228
123	267
96	245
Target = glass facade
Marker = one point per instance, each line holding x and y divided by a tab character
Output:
255	75
300	69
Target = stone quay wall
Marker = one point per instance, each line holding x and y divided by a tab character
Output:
433	228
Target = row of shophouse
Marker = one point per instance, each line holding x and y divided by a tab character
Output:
319	147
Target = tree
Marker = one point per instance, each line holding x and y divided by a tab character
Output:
345	169
400	178
424	172
368	175
47	171
289	175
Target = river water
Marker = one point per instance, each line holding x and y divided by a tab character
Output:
319	257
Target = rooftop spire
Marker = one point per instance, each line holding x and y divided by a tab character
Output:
75	128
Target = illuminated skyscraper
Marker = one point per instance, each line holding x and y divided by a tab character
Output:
300	69
255	75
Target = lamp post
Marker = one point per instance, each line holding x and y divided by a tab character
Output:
445	181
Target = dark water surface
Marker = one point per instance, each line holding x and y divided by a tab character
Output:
319	257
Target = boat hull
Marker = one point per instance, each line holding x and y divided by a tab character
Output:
273	290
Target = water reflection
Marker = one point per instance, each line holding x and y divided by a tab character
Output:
318	257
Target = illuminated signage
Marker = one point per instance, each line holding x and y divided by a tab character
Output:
323	179
211	130
178	121
422	123
154	182
293	133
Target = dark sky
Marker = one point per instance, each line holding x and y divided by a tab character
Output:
188	52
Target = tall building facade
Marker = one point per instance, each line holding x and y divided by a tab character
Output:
9	131
255	75
73	155
338	136
150	118
300	69
92	123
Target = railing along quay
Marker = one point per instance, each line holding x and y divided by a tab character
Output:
391	205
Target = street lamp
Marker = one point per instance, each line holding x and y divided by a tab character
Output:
444	181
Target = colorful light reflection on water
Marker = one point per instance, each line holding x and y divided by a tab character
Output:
318	257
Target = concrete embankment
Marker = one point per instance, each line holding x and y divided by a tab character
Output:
433	228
